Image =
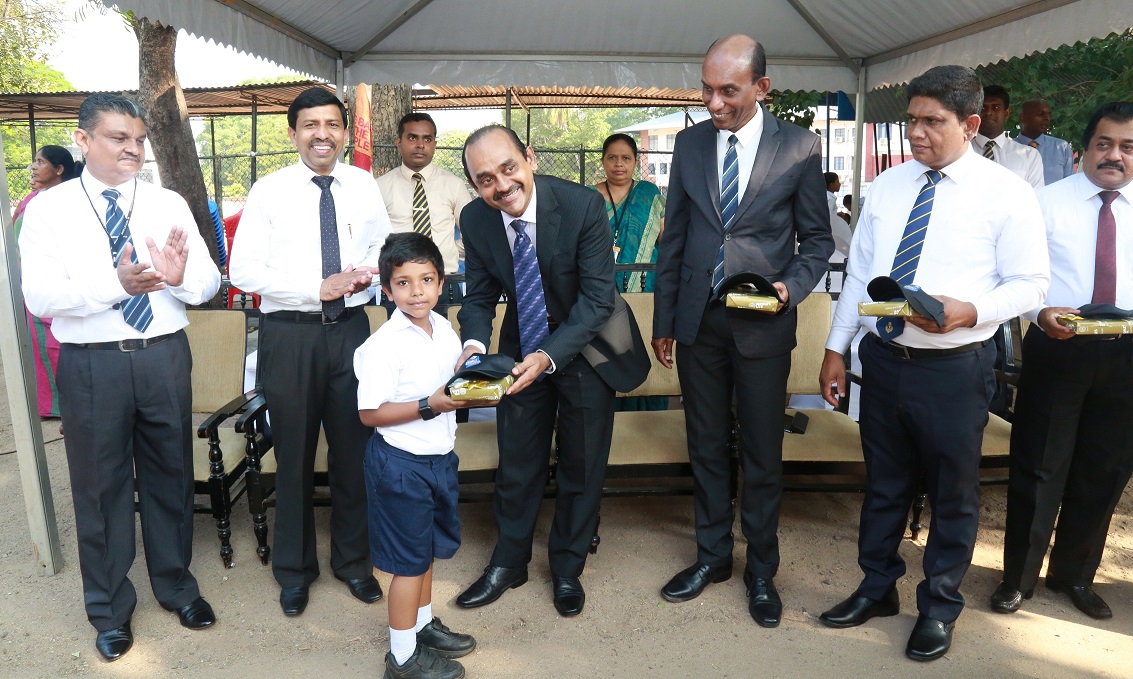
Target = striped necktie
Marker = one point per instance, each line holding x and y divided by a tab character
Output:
729	202
530	303
909	250
421	222
136	311
989	150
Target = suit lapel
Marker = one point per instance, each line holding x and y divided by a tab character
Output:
547	220
711	173
764	158
496	238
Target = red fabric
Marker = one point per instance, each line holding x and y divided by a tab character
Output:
1105	254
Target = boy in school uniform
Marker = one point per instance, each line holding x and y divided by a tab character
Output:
410	466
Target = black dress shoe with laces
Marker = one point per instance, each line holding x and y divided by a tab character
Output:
196	615
293	600
491	586
367	590
569	595
763	602
113	643
858	609
689	583
445	642
930	639
1007	599
1084	599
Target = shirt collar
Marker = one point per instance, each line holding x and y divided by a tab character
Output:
960	170
399	321
426	172
999	141
335	172
749	132
528	214
94	187
1086	189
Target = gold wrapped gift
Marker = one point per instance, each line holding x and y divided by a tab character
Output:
1096	326
480	389
741	298
899	308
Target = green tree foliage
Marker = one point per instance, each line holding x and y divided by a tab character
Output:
27	29
17	138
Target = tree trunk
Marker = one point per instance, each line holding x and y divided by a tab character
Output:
388	103
167	118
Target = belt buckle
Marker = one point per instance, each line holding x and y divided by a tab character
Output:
326	321
902	351
128	346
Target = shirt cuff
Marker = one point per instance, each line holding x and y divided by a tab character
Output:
480	348
552	368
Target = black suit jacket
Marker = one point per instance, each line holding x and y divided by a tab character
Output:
575	250
784	205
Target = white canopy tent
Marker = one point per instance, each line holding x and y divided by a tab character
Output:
824	45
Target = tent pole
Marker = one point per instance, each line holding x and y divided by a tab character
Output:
20	378
507	110
31	129
859	160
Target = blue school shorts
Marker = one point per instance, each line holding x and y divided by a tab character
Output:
412	508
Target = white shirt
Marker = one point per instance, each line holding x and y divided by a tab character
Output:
68	273
400	363
746	145
1057	156
446	194
1022	160
277	251
1070	208
984	244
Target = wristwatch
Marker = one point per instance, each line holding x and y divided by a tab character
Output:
424	410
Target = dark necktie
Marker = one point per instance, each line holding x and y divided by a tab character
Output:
1033	144
136	311
328	233
529	300
729	202
908	255
421	223
989	150
1105	254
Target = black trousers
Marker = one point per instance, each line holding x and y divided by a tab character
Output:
1071	447
710	371
924	419
307	374
130	414
584	404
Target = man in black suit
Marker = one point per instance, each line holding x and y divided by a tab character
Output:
769	218
546	244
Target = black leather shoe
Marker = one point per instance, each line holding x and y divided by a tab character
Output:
858	609
763	602
196	615
1007	599
1084	599
293	600
689	583
569	595
113	643
491	585
445	642
930	639
367	590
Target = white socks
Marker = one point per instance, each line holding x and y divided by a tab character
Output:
403	642
424	616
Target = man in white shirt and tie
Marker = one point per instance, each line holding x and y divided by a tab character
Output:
969	233
1071	443
308	243
994	144
1057	156
90	260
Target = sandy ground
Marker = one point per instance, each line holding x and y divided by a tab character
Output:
626	630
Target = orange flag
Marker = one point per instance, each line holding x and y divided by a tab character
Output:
362	143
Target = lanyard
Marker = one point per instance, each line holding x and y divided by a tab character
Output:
102	223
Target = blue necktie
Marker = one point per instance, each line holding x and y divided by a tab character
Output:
136	311
328	236
729	202
909	250
529	300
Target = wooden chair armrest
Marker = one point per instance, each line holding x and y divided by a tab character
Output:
234	407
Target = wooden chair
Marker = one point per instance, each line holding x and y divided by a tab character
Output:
218	340
262	464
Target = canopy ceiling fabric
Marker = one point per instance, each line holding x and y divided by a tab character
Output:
812	44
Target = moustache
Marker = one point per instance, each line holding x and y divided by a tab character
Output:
1110	165
501	194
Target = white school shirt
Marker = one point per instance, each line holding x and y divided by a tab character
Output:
1022	160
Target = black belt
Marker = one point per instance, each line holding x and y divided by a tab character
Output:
312	316
914	352
128	345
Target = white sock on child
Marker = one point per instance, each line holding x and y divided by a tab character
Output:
402	643
424	616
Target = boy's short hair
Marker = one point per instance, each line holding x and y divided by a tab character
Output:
408	246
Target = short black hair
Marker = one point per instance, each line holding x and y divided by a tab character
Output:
957	88
408	246
92	108
618	136
483	132
831	177
999	92
756	58
415	117
61	157
1117	111
313	98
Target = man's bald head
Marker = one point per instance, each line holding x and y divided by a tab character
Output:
743	47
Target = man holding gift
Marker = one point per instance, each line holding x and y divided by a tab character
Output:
969	233
1071	446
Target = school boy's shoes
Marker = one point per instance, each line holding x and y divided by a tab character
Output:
445	642
423	664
